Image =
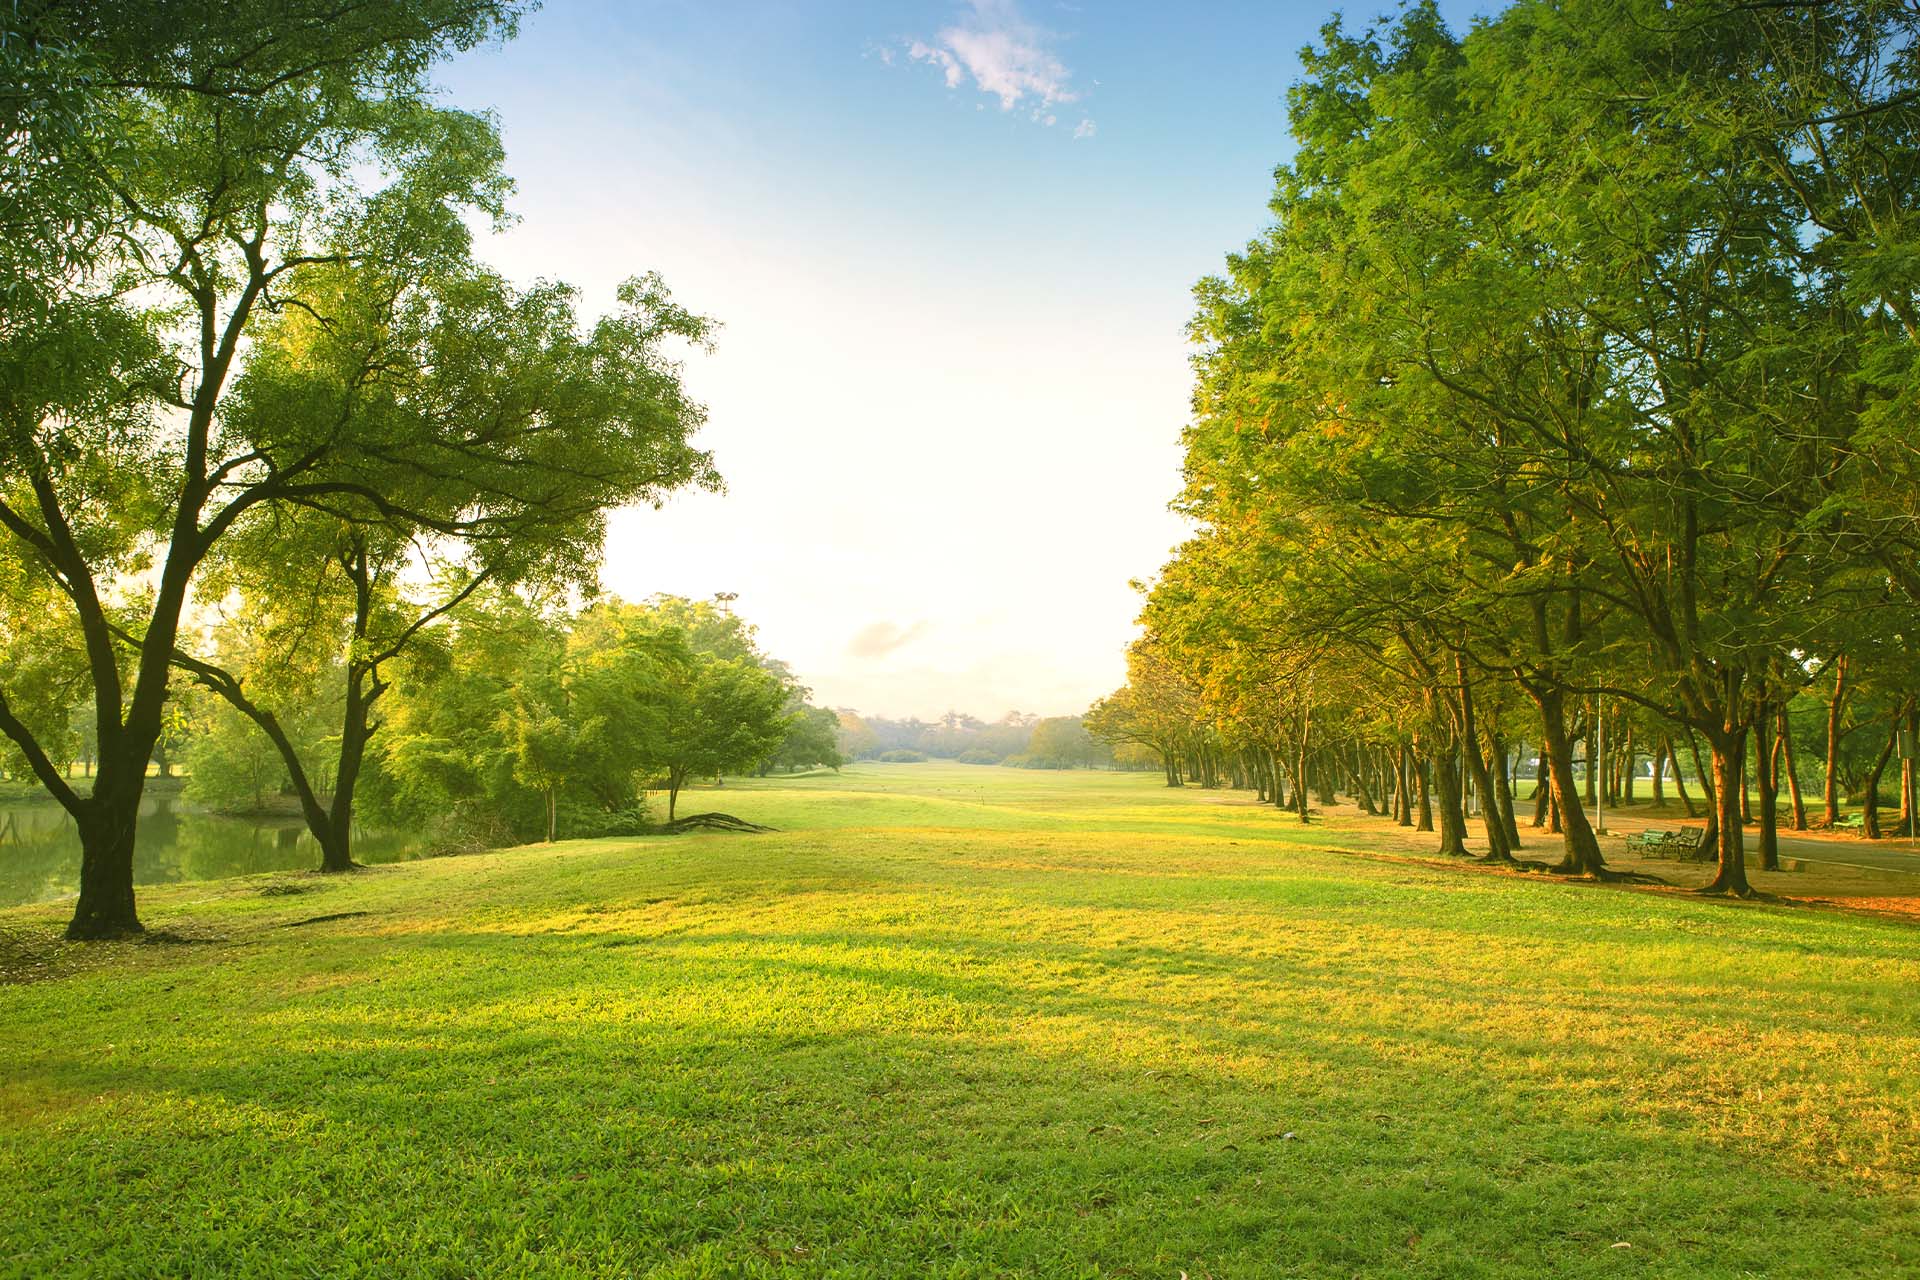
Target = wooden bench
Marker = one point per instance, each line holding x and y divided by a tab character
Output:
1684	844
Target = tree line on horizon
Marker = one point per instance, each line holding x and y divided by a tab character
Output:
1569	399
1018	740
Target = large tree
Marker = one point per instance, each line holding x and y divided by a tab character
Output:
522	433
230	150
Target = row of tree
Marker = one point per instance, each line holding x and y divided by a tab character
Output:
1017	739
1571	394
514	719
251	366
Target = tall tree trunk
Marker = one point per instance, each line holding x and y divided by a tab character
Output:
1659	772
1729	773
1403	811
1831	785
1593	760
1679	779
1362	794
1503	793
1453	820
1907	815
1542	790
1425	779
1769	787
1626	776
1581	849
1870	796
1709	838
1746	792
1300	765
1793	774
1497	848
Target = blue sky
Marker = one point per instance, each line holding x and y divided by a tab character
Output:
949	388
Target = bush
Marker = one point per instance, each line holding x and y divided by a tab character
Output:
901	757
977	756
586	821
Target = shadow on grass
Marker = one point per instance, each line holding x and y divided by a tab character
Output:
749	1102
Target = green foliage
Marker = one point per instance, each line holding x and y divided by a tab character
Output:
1551	391
812	739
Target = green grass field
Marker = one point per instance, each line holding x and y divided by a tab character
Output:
959	1022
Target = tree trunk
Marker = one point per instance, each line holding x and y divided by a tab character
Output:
1793	774
106	906
1300	772
1425	779
1659	772
1870	796
1453	820
1497	848
1542	791
1581	849
1769	787
1729	773
1503	794
1626	776
1832	783
1746	794
1679	779
1405	815
1593	762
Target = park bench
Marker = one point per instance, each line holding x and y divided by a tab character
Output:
1684	843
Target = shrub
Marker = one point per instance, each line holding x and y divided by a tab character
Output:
901	757
977	756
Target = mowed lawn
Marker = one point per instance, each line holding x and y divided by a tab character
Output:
953	1022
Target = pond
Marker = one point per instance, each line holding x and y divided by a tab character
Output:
40	851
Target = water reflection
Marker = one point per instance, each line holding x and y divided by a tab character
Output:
40	852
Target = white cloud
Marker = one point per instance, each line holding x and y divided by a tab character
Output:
1085	129
878	639
921	52
1006	57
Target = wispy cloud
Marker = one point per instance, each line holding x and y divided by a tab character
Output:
878	639
1005	57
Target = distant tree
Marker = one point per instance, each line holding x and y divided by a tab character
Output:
718	715
1062	742
856	740
812	738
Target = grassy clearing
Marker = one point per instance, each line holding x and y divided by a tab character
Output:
959	1022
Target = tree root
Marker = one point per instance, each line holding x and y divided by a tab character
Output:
1747	894
1607	875
707	822
1602	874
